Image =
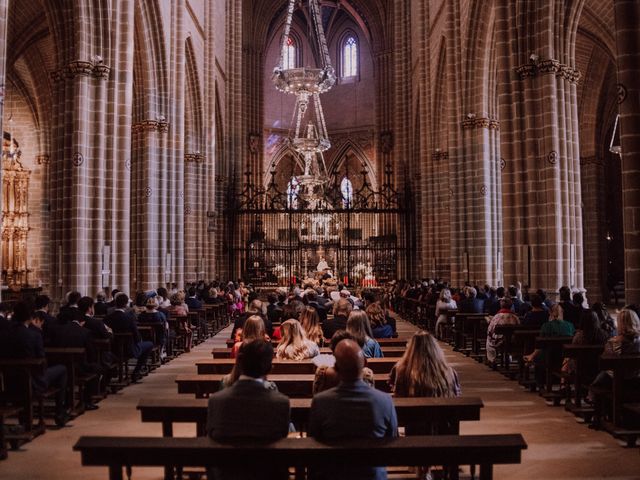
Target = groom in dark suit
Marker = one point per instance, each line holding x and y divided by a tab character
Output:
352	410
249	410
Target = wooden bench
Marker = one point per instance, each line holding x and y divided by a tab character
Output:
384	342
620	365
465	329
585	358
449	450
410	411
552	348
394	352
21	373
71	358
224	366
4	413
297	386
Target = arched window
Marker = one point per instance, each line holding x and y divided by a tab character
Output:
346	188
291	54
293	189
350	57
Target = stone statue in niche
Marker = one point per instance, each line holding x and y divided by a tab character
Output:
254	143
386	142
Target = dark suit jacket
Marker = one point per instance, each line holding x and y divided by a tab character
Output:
68	314
352	410
96	327
322	312
5	325
248	410
100	308
22	342
72	335
193	303
274	313
471	305
332	326
124	322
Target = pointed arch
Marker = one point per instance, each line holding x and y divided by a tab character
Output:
352	149
151	80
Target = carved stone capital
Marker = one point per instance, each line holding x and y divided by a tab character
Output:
43	159
150	126
79	67
101	71
549	67
483	122
196	157
439	155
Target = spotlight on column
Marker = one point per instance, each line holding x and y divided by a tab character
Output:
534	58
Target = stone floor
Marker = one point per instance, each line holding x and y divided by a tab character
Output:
559	447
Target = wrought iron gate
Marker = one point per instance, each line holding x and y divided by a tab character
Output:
363	238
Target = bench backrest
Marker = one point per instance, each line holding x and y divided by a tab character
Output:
485	450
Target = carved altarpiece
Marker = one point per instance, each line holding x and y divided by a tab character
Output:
15	215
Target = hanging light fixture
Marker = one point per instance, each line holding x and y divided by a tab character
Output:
308	135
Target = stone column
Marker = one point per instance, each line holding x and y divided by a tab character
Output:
4	10
627	15
210	161
539	143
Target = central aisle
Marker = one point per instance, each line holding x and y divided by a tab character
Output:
559	447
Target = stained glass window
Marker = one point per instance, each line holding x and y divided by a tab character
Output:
346	188
290	54
350	57
293	189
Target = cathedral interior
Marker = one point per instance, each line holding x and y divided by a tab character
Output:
324	157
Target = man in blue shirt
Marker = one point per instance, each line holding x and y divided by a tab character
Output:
352	410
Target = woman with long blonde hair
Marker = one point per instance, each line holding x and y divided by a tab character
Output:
294	344
423	370
253	329
310	321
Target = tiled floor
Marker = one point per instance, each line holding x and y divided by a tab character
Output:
559	447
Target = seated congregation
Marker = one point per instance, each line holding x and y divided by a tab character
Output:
322	363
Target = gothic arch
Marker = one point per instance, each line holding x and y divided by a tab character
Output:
341	156
151	72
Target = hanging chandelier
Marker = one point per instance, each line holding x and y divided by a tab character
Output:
308	135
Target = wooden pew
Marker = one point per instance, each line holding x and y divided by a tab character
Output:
509	348
4	413
20	372
450	450
384	342
71	358
297	386
552	348
410	411
470	329
620	365
585	358
224	366
393	352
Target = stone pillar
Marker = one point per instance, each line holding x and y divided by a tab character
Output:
4	10
210	162
473	155
627	15
175	241
539	143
